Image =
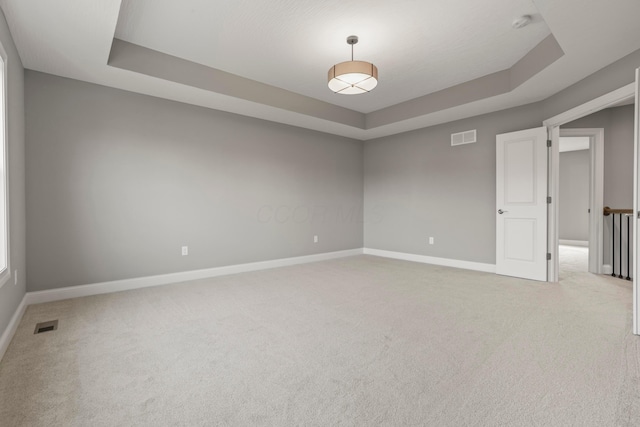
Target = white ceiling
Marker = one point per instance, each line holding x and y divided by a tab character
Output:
419	46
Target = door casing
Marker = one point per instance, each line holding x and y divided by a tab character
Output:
553	124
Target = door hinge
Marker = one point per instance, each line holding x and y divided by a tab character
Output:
548	199
548	143
548	256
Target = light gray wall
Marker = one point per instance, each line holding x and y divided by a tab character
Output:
618	152
618	157
417	185
10	294
573	221
117	182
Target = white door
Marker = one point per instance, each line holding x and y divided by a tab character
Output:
521	204
636	210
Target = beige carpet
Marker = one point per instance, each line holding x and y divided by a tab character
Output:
573	259
359	341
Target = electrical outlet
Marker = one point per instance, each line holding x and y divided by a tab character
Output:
185	250
315	239
431	241
15	277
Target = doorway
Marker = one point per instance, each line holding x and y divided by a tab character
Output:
620	96
629	94
580	199
573	205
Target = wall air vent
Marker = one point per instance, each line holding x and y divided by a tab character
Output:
51	325
466	137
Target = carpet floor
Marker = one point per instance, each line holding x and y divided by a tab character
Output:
573	258
359	341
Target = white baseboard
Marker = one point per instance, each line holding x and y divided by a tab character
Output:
185	276
467	265
606	269
10	331
574	242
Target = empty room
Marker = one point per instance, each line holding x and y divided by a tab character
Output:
319	213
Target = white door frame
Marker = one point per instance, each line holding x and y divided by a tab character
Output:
636	205
596	193
553	125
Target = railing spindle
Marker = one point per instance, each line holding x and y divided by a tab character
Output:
613	246
620	247
627	212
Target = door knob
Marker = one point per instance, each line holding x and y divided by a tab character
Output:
500	211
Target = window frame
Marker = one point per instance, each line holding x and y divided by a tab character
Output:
5	274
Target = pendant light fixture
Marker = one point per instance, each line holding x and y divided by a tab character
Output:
353	77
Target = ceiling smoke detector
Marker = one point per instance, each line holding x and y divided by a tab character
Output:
523	21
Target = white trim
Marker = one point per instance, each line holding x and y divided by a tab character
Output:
606	269
5	275
574	242
11	329
636	204
447	262
165	279
600	103
553	190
